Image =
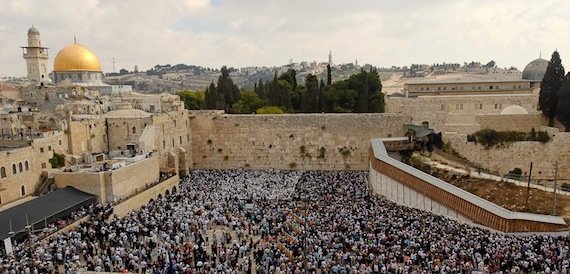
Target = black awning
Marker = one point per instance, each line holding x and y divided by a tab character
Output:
47	207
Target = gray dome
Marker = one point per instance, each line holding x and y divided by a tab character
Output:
33	30
535	70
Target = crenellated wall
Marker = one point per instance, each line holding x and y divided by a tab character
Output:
289	141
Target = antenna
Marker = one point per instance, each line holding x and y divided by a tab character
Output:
74	39
113	62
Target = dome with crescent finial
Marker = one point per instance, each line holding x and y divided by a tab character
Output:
33	30
76	57
535	70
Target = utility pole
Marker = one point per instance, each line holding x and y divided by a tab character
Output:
554	193
528	186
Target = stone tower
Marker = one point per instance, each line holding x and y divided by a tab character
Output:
36	58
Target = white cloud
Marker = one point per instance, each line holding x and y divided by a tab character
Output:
252	32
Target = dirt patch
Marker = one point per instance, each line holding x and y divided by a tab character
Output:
508	195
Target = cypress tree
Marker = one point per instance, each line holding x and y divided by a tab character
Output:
329	75
549	87
563	106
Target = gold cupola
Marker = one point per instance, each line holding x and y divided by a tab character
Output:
76	57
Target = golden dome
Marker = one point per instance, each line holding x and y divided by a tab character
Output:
76	57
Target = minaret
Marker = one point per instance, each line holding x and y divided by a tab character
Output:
36	58
330	59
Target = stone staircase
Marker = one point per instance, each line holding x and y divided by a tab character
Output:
42	187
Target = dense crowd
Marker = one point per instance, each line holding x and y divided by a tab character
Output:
251	221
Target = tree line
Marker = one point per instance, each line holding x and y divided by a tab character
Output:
360	93
554	97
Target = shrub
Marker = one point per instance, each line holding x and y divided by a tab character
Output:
489	137
515	173
57	161
292	165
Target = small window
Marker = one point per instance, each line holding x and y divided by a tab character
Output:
14	169
60	142
49	148
41	149
491	87
23	190
3	172
163	144
134	130
27	166
20	167
187	137
44	165
460	106
180	139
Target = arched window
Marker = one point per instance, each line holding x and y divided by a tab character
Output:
134	130
20	167
23	190
27	166
14	169
3	172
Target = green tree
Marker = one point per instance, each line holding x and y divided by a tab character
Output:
310	101
270	110
211	96
192	100
248	103
260	90
227	90
340	98
563	107
329	75
549	87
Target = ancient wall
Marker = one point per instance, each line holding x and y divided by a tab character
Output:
519	154
514	122
289	141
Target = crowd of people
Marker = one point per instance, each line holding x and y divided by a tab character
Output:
284	222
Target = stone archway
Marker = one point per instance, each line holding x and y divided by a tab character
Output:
151	201
159	197
167	193
173	189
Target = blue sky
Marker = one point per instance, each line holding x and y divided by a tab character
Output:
240	33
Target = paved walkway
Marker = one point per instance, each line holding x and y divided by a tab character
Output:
488	176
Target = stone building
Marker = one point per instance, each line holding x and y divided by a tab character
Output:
459	106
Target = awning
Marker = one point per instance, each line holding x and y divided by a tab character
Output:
49	207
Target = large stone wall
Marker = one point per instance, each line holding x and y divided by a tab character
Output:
514	122
519	154
289	141
168	186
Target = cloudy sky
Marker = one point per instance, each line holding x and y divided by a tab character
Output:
240	33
